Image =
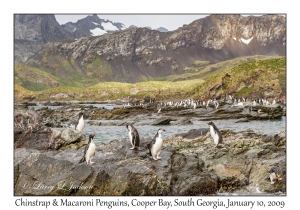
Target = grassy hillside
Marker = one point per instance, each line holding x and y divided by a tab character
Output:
21	93
259	78
203	69
36	79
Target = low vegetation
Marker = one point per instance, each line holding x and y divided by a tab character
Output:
258	78
203	69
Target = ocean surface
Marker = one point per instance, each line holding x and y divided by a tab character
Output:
106	134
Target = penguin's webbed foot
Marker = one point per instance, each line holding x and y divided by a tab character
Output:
158	158
154	158
132	147
91	163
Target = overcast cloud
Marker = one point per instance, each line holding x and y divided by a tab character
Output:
168	21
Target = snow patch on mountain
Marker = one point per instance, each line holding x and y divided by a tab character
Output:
109	26
97	32
246	41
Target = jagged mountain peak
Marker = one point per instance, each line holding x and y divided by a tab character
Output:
92	25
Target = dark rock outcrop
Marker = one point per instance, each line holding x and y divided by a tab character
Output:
31	32
117	171
31	133
162	121
189	166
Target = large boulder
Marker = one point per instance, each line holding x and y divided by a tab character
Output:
117	171
162	121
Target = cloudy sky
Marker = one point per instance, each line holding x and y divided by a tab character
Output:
170	22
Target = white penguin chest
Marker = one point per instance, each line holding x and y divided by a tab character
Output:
272	176
214	135
130	137
80	124
91	150
158	145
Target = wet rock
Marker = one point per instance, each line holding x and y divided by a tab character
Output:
189	178
194	133
263	152
40	174
117	171
267	138
95	123
184	121
278	138
269	147
190	164
30	133
69	138
242	120
162	121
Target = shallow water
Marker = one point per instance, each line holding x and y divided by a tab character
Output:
106	134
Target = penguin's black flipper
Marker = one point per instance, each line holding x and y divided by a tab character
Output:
85	149
149	147
137	140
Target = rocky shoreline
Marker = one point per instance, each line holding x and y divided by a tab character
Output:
46	160
147	114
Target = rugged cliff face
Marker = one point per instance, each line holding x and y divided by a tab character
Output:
137	54
33	31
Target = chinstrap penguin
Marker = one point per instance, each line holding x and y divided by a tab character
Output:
216	134
156	145
80	122
89	151
133	136
275	174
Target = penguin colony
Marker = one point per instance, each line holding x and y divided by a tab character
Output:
156	143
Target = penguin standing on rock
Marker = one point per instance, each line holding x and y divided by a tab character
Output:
133	136
275	174
89	151
80	122
156	145
216	134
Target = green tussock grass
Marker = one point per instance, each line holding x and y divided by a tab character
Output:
204	70
34	78
117	90
254	77
21	93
